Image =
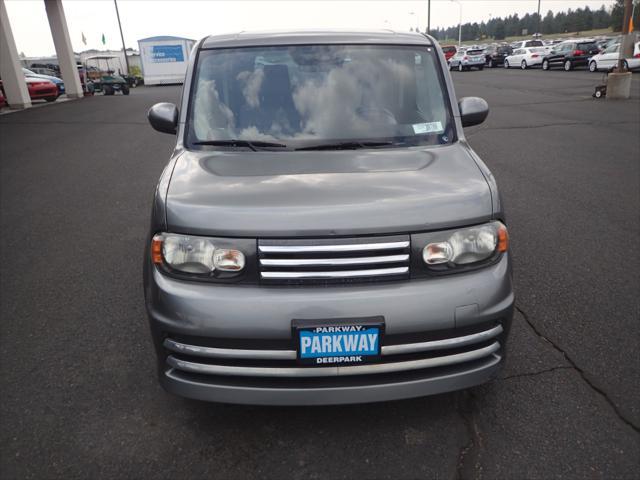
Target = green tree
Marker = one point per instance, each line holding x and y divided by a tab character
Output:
499	32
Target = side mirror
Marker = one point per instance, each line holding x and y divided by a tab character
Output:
163	117
473	110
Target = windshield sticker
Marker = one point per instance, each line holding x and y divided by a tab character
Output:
431	127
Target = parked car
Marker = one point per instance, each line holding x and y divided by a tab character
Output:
495	54
525	58
527	44
39	89
337	249
57	81
42	89
449	51
570	55
3	101
44	71
466	60
608	59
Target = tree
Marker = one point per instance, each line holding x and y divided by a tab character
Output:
499	32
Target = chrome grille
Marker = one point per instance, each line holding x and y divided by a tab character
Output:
334	260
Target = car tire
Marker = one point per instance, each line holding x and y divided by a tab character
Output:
50	99
598	94
523	65
125	90
545	65
481	67
506	64
568	65
593	66
450	67
460	67
107	90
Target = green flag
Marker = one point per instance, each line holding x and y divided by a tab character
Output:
104	40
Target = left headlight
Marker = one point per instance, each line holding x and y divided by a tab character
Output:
194	255
465	246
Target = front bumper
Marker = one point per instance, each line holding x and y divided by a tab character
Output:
239	346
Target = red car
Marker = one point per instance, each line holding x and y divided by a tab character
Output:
2	100
449	51
40	88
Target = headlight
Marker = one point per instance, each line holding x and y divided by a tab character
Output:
467	245
195	255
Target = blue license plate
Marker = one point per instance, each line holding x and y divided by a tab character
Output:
338	342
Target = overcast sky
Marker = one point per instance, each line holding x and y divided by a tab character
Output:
195	19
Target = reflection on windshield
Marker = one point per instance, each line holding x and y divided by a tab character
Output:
312	93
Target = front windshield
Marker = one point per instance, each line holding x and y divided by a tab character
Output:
299	96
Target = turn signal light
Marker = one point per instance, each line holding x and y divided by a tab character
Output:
156	249
503	239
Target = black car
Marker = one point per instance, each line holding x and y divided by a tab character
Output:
495	54
570	55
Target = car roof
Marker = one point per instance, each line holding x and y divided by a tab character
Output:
310	37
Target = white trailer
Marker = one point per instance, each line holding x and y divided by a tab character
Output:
164	59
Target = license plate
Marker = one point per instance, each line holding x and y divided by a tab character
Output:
338	342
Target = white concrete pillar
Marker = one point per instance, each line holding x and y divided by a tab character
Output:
14	85
64	51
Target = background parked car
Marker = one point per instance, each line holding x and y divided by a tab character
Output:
527	44
495	54
608	59
3	102
57	81
525	58
39	89
570	55
449	51
466	60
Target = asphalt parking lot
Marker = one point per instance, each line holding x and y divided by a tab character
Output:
79	393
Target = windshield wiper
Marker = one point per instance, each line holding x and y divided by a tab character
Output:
346	145
253	144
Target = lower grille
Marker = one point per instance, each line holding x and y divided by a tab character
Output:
334	260
281	364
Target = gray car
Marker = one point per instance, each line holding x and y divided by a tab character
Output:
323	233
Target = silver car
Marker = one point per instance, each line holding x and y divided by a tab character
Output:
467	59
323	233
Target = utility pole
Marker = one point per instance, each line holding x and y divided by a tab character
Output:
428	17
538	28
124	49
626	49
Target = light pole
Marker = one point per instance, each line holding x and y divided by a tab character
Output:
459	2
124	49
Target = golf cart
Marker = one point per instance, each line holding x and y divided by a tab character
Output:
101	71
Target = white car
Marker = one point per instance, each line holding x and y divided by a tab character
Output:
525	57
609	58
527	44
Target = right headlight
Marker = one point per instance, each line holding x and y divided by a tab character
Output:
465	246
194	255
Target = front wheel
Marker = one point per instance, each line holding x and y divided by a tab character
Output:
523	65
107	90
481	67
50	99
545	64
593	66
125	90
568	66
506	64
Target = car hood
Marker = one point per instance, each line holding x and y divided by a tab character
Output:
285	194
55	80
